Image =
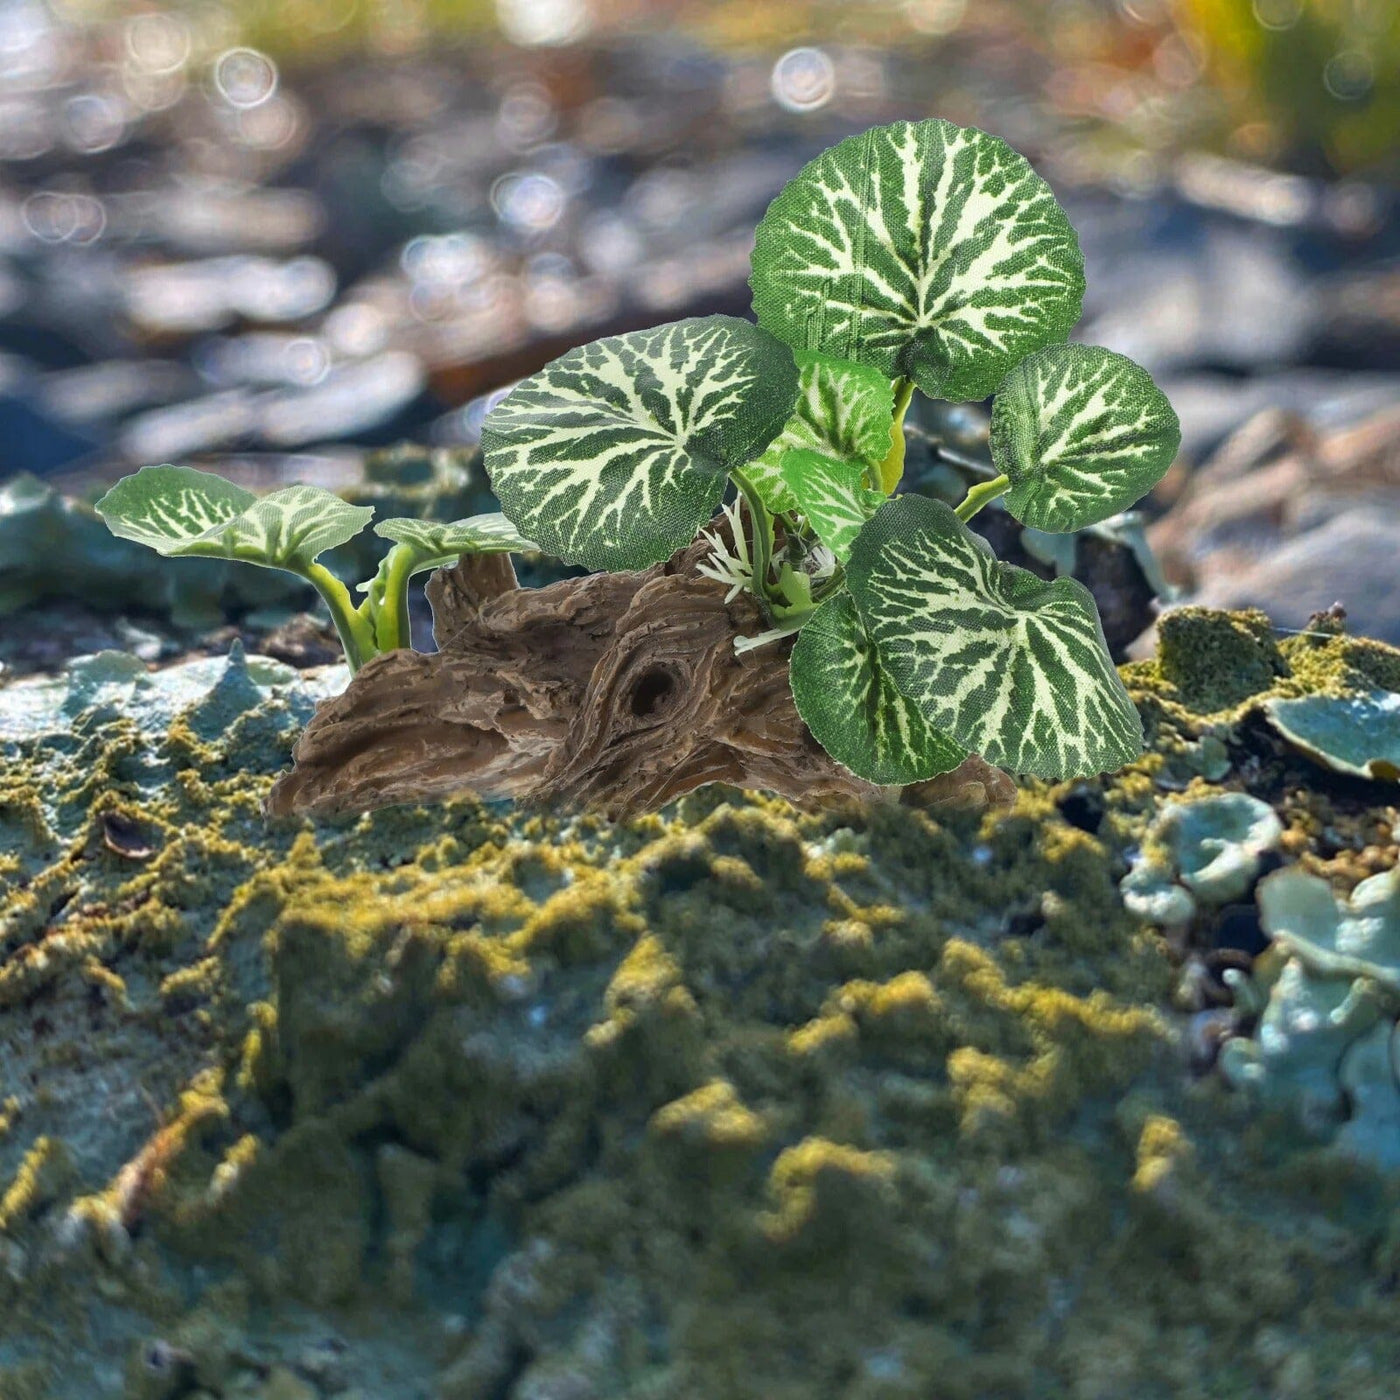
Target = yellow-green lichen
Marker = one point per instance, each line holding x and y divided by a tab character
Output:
729	1100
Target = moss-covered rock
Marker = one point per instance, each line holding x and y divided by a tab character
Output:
729	1100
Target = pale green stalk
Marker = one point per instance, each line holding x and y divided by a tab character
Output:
353	625
762	553
979	495
892	468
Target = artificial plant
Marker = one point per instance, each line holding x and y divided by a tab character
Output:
916	257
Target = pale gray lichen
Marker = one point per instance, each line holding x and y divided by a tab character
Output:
1326	1042
1207	851
1354	734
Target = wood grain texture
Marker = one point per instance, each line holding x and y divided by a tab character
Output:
614	692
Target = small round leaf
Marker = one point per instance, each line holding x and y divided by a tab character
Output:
843	410
180	512
1083	433
615	454
832	495
923	249
853	708
1007	665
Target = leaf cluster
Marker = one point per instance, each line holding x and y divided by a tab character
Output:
915	257
181	512
919	256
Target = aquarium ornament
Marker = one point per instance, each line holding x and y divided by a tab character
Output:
823	632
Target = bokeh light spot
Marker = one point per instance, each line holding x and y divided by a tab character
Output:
528	200
158	43
937	17
1349	75
804	80
1278	14
245	77
541	22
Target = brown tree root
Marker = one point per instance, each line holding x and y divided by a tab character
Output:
614	692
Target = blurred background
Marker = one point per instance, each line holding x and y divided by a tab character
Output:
269	236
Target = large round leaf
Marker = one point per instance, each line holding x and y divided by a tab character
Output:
179	512
853	708
1083	433
924	249
615	454
844	410
1006	664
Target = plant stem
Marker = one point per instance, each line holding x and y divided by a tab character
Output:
892	468
389	609
958	459
353	626
762	554
979	495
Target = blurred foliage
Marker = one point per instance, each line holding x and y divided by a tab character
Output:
1304	79
1311	85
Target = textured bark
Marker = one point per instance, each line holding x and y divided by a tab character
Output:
615	692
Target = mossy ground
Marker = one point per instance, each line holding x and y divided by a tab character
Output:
722	1103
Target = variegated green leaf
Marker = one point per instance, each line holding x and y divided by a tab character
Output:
615	454
433	542
179	511
923	249
1083	433
843	409
1006	664
853	708
832	495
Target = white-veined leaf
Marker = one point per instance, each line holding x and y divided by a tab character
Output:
433	540
179	511
615	454
832	495
1083	433
924	249
843	409
853	708
1007	665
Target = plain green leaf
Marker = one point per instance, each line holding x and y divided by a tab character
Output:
923	249
1008	665
1083	433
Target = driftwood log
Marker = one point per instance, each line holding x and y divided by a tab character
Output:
613	692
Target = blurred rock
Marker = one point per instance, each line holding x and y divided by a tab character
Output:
1195	292
348	402
113	389
1354	558
200	425
1291	520
1211	405
179	298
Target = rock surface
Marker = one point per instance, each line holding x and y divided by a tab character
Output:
730	1100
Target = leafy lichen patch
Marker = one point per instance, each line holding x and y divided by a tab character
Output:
1354	734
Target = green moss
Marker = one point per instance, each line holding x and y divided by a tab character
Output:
1216	660
730	1100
